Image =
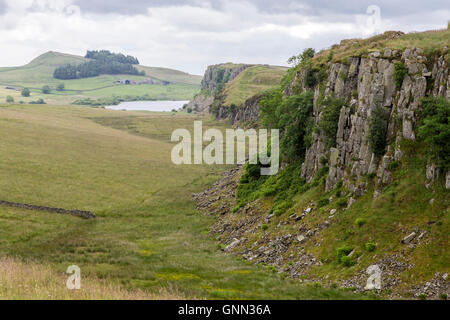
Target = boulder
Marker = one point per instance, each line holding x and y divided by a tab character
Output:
410	237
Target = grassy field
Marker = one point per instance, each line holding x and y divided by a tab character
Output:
251	81
39	72
147	235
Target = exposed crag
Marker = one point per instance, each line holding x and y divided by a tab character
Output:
214	79
366	197
366	83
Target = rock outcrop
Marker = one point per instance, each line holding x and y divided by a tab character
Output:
214	80
246	115
365	83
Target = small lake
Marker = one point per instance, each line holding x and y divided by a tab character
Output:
157	105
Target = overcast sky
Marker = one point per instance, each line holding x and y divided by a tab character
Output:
192	34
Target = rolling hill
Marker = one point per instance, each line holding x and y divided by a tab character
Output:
39	72
251	81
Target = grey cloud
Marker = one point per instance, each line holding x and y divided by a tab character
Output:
311	7
2	7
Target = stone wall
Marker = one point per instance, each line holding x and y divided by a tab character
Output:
78	213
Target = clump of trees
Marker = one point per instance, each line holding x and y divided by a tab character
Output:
9	99
102	62
38	101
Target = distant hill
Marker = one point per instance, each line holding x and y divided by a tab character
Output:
251	81
227	84
39	72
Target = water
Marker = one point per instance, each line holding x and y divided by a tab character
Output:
158	105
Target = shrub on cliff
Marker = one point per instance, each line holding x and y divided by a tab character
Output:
378	131
293	116
329	121
400	71
435	129
295	122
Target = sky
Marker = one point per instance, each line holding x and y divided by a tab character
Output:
189	35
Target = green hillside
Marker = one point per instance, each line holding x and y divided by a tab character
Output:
39	72
147	234
251	81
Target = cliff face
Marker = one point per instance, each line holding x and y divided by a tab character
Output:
365	83
245	115
219	74
382	212
214	79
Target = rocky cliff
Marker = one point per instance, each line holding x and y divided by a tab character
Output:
345	215
365	83
214	80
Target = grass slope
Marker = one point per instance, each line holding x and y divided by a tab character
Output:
147	234
39	72
252	81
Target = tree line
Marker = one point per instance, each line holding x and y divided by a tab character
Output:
102	62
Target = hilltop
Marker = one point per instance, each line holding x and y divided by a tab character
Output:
39	72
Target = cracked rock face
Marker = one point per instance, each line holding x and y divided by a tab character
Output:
366	83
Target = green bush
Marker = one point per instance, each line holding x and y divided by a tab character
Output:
435	129
323	202
46	90
9	99
343	251
295	120
329	121
400	71
342	202
422	296
377	131
360	222
264	227
25	92
189	110
443	296
60	87
370	246
347	261
394	165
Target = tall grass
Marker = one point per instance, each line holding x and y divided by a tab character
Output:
19	280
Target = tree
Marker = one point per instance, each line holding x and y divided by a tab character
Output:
25	92
101	62
46	90
60	87
378	131
9	99
305	55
